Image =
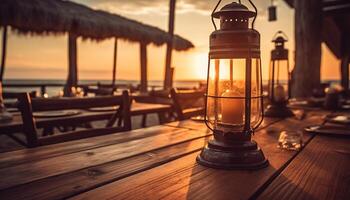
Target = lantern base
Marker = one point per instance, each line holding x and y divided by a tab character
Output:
242	155
279	111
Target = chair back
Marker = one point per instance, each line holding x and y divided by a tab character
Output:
28	106
188	103
100	90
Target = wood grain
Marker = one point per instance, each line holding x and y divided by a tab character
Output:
16	125
31	171
185	179
30	155
69	184
320	171
198	125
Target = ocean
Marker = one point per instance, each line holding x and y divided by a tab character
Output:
55	90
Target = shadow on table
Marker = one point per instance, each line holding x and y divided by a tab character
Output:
206	183
284	188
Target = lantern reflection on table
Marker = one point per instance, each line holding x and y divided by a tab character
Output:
234	95
279	79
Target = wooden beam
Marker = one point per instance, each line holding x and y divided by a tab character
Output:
308	26
3	56
332	36
143	59
336	7
168	78
115	61
290	2
72	79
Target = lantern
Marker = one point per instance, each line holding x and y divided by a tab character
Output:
234	107
272	12
279	79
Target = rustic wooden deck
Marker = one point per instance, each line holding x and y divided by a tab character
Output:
159	163
16	125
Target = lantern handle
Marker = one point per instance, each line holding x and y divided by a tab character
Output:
212	17
256	11
280	33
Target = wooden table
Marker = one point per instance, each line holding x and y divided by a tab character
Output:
159	163
16	125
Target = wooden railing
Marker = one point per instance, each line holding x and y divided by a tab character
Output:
42	87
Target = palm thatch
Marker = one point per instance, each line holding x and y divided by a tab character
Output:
51	17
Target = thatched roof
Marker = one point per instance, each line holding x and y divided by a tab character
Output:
46	17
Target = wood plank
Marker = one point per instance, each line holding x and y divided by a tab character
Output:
64	103
36	170
185	179
146	108
198	125
66	185
30	155
16	125
320	171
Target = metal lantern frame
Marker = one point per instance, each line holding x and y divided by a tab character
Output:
278	54
234	149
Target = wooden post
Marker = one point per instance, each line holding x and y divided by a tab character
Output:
115	61
143	59
345	72
172	70
167	78
308	29
72	79
3	56
345	60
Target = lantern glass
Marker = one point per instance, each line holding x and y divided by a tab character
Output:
226	101
279	81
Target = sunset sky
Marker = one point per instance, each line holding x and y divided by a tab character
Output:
46	57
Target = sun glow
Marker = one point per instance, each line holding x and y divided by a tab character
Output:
200	66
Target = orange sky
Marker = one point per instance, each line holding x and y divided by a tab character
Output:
46	57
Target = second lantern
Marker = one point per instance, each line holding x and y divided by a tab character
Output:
279	79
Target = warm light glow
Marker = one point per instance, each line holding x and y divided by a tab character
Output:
46	57
225	107
200	66
238	70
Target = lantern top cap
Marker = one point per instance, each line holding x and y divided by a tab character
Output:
280	37
234	9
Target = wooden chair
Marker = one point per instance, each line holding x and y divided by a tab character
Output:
28	105
187	103
15	95
99	91
11	98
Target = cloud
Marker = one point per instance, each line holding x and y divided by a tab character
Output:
142	7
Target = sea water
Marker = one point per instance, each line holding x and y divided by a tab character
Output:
56	90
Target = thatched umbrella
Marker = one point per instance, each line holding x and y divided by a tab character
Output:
53	17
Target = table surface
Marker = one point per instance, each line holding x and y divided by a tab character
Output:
160	163
137	108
